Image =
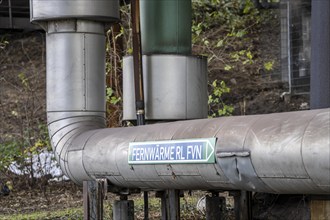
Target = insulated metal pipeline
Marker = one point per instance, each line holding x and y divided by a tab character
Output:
75	85
275	153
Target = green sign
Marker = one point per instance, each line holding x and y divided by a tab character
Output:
173	151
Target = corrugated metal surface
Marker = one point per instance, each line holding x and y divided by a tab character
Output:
175	87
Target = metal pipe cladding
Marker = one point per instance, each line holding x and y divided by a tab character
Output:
274	153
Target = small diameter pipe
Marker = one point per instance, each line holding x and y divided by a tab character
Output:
288	14
10	15
137	59
138	78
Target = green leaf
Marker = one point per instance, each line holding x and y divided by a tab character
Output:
269	65
216	105
246	62
240	33
220	43
130	51
249	55
228	67
214	83
109	92
248	7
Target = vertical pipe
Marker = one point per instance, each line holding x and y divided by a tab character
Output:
138	78
305	51
164	205
320	62
10	14
215	207
146	205
289	46
166	26
174	204
137	60
288	36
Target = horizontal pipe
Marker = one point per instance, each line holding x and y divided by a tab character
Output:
275	153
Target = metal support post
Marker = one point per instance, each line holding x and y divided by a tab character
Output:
146	205
215	207
162	195
138	77
320	207
93	194
242	205
174	204
123	209
10	14
170	204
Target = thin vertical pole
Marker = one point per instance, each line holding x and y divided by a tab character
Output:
85	200
93	200
10	14
137	60
174	204
164	206
146	205
138	77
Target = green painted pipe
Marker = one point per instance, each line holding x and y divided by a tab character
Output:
166	26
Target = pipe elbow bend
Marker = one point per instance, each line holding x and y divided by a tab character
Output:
69	132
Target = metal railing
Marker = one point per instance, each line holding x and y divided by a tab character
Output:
296	45
14	14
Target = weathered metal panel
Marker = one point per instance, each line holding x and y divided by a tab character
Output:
77	65
275	136
316	154
100	10
175	87
170	33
